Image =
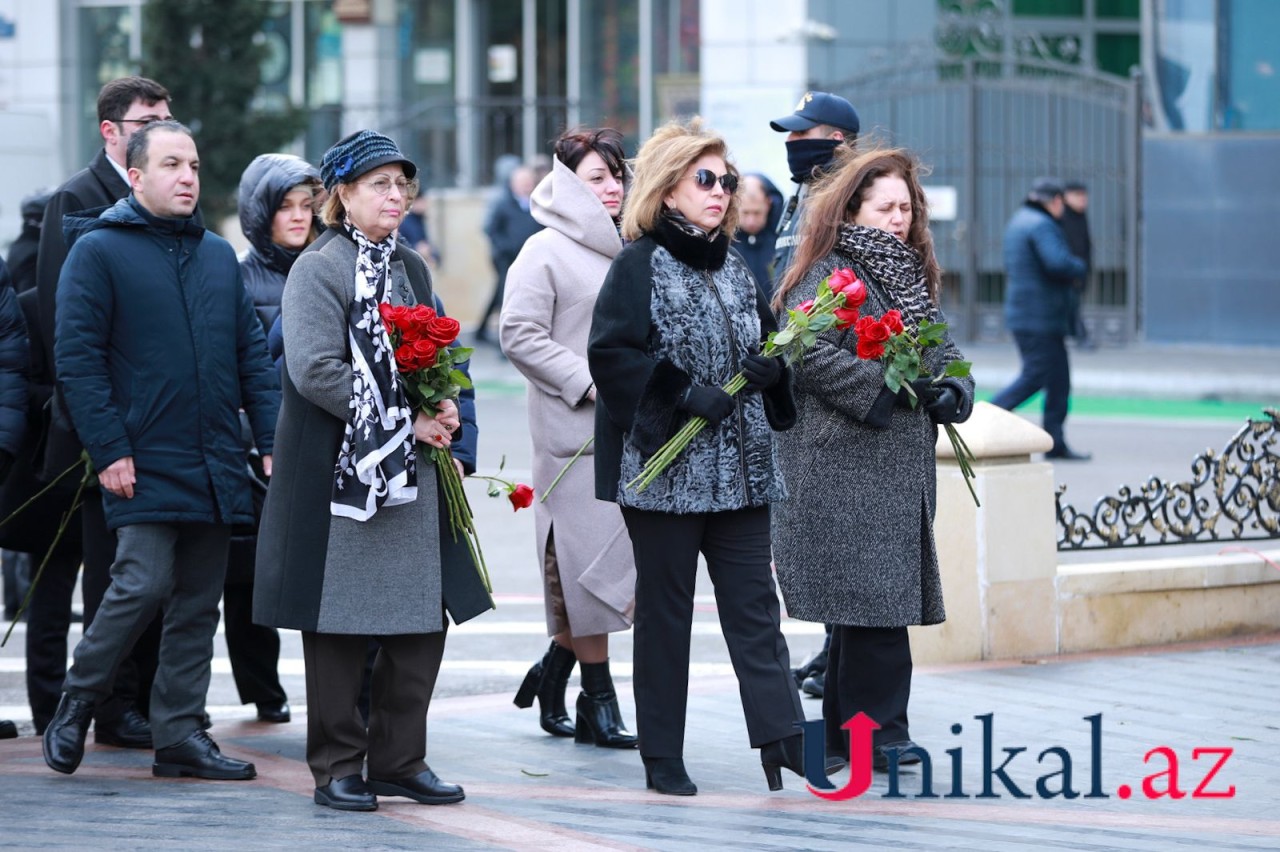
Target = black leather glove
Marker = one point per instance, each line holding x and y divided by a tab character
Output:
761	371
6	464
711	403
945	408
880	411
926	392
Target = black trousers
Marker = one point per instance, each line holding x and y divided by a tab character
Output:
404	677
48	620
137	673
1044	365
736	546
254	650
868	671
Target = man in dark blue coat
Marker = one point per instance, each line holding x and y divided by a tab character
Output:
1040	271
157	350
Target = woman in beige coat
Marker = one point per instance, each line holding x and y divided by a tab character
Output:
586	556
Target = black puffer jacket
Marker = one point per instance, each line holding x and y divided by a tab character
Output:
263	187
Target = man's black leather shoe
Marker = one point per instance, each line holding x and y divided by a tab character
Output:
198	757
129	730
63	740
8	730
347	794
277	713
880	757
1067	454
425	788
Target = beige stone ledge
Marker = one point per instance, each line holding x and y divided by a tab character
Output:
1150	575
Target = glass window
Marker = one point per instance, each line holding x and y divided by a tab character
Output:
675	60
1252	93
324	79
1049	8
1116	53
427	81
1125	9
611	66
105	34
1186	59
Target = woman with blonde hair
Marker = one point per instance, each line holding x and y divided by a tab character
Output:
678	316
864	454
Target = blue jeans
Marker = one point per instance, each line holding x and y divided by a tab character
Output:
1044	366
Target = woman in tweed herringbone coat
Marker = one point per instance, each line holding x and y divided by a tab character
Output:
862	454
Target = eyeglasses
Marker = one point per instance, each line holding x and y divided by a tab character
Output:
382	185
705	179
146	119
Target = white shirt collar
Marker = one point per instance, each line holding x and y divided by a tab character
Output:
120	170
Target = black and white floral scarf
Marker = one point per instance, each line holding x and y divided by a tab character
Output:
895	266
376	466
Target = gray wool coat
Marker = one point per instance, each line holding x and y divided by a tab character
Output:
546	317
853	543
392	574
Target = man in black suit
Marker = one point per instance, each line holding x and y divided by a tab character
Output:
124	106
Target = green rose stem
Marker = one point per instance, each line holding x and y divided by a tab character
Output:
787	343
460	516
62	528
565	470
964	458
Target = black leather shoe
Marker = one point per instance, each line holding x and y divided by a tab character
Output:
425	788
814	685
128	730
347	794
63	740
277	713
880	756
198	757
1067	454
667	776
8	730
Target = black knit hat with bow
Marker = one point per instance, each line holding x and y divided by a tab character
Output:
359	154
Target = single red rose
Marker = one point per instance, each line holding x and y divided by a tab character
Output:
841	279
855	293
893	319
424	353
845	317
869	351
806	306
521	497
874	331
442	330
406	361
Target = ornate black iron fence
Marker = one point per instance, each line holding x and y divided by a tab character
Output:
1231	495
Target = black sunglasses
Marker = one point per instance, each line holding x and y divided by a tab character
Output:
705	179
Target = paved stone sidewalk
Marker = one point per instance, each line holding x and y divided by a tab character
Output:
528	791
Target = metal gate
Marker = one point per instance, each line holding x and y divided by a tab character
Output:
987	129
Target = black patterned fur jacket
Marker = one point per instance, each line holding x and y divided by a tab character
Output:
675	311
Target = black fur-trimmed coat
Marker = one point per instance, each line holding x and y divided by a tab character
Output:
677	311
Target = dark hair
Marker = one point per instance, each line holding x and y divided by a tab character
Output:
116	97
574	145
835	201
136	153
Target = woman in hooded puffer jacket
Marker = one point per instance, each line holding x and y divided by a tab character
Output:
278	196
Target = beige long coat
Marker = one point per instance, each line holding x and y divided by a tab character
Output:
546	318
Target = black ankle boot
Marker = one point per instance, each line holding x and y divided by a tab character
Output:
787	752
599	719
547	681
667	775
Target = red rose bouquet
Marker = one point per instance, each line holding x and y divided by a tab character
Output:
887	339
836	305
420	339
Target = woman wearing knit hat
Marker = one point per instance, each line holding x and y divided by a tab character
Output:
351	543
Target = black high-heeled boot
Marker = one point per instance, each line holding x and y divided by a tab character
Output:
787	752
547	681
599	718
667	775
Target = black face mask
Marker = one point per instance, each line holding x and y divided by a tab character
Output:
804	155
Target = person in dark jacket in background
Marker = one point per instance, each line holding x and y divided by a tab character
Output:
26	248
1040	270
278	217
1075	227
124	106
13	396
758	226
508	224
157	349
